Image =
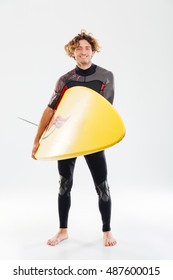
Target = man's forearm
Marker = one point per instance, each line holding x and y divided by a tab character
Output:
45	120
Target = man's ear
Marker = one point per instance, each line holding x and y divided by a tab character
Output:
72	55
93	53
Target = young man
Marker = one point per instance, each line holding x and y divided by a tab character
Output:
82	48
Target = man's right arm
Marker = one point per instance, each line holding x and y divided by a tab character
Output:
45	120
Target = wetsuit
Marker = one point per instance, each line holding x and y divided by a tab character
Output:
100	80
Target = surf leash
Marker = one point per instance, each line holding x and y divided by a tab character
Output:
27	121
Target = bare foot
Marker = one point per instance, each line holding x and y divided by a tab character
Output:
108	239
60	236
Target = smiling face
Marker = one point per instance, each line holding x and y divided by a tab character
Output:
83	54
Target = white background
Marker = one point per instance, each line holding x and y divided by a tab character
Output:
137	44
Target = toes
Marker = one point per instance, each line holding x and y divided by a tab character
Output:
109	243
51	242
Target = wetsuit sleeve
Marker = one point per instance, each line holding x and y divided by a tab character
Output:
54	101
108	92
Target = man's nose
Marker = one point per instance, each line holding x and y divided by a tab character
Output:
83	51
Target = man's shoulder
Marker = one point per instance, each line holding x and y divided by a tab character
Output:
103	70
69	75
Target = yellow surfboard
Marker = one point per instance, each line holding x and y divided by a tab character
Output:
84	123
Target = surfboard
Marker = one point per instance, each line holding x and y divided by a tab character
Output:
84	123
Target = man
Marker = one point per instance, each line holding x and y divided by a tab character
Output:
82	48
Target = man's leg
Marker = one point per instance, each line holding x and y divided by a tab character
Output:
98	168
66	169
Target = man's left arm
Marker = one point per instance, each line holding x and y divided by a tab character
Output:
109	87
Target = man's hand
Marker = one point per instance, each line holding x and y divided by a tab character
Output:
45	120
34	150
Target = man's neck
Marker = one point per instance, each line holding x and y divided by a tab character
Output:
84	66
86	72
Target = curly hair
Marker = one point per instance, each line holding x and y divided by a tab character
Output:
74	43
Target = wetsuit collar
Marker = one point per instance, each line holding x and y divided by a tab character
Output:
86	72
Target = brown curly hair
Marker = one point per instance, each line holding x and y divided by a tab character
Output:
74	43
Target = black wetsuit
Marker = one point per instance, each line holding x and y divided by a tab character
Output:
100	80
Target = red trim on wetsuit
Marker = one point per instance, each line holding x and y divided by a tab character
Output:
102	88
59	99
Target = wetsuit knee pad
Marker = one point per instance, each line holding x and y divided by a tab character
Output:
64	186
103	191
